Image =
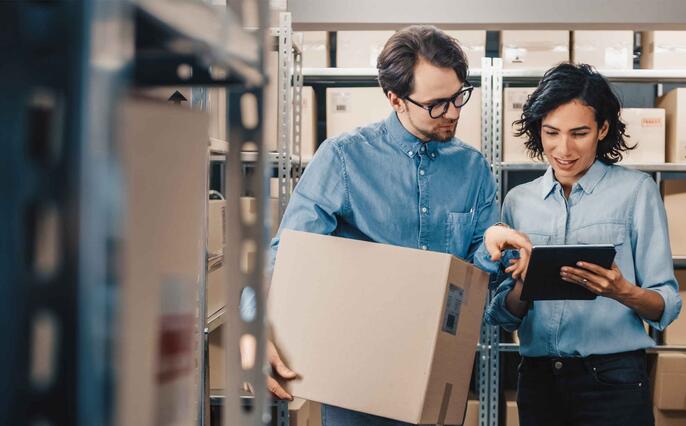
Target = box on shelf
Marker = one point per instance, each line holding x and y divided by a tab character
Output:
164	163
663	50
604	49
674	192
469	126
217	360
471	417
331	294
646	128
674	104
360	49
304	413
216	214
474	45
511	410
675	333
216	107
534	49
669	418
315	49
514	99
669	392
351	107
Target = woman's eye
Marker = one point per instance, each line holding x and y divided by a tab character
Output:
550	133
580	135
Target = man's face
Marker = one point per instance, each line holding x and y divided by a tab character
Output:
432	84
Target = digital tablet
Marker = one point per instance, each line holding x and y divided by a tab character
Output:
543	281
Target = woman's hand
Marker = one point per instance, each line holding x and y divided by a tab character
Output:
601	281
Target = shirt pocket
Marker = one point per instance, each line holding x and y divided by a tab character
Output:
538	239
604	233
459	233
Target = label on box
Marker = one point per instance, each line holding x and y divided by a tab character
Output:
341	102
452	309
651	122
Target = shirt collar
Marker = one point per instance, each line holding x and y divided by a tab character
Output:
406	141
587	183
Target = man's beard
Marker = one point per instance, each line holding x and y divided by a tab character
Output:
444	136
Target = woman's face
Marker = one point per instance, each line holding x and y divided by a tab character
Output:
570	138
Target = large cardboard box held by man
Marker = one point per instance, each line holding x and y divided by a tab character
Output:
375	328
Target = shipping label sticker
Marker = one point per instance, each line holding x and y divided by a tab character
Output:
452	309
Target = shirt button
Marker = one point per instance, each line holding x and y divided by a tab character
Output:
433	155
558	365
424	247
423	149
409	153
421	172
424	210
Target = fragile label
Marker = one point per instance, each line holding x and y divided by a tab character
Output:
452	309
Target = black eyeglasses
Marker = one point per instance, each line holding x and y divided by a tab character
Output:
439	109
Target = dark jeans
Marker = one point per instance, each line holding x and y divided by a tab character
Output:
601	390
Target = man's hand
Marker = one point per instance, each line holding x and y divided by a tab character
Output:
498	238
281	370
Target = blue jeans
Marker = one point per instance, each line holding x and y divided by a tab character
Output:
335	416
602	390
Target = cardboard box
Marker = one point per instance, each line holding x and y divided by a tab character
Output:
216	215
674	104
315	49
351	107
474	45
304	413
216	107
469	126
663	50
511	410
351	316
534	49
675	333
471	417
646	128
164	166
360	49
308	123
217	360
674	192
669	418
514	99
669	392
604	49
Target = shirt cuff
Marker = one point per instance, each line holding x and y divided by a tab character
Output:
672	307
482	260
497	312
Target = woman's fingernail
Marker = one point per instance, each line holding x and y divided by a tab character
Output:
579	263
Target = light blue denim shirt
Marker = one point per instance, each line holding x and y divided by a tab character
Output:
609	204
380	183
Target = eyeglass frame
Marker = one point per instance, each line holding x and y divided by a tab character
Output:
451	100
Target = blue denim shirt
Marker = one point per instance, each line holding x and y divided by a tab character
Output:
380	183
609	204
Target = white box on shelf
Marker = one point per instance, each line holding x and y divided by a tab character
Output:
604	49
315	49
473	43
469	126
360	49
646	128
534	49
663	50
674	104
351	107
514	99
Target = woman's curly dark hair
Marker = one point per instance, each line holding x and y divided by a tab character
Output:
562	84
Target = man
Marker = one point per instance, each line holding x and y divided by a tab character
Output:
404	181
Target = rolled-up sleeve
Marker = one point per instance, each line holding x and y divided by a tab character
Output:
653	262
497	312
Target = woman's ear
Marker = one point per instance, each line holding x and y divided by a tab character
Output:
603	130
396	103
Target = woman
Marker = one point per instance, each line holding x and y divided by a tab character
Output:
584	362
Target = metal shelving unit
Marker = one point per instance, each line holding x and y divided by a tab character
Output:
93	53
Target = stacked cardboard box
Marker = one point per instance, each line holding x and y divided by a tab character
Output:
675	333
514	99
604	49
339	305
674	104
360	49
646	130
351	107
164	161
674	192
315	49
511	411
473	44
469	126
669	392
663	50
534	49
304	413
